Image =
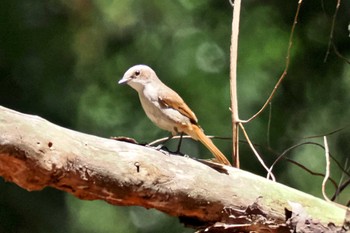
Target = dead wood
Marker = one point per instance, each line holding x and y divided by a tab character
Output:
35	154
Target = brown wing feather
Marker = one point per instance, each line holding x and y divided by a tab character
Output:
173	100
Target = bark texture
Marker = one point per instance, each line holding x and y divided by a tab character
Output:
35	153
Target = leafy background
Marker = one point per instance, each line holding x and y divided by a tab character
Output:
62	59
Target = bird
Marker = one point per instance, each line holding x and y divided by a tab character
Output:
166	109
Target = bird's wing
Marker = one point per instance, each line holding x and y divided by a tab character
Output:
173	100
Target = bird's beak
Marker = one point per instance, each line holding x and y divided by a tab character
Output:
124	80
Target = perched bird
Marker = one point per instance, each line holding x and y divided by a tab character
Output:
165	108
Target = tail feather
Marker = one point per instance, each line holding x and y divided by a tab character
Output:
197	134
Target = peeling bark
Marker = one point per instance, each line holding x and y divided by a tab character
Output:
35	153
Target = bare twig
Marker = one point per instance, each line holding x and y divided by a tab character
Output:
347	60
341	188
161	140
284	74
233	80
327	169
283	154
312	172
270	174
232	3
269	126
327	134
330	41
338	190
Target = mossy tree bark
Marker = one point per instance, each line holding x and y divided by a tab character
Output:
35	154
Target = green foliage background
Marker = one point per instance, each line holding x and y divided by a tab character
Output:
62	59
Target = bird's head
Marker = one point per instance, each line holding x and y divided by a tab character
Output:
138	76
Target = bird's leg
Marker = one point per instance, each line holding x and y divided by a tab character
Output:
161	146
179	145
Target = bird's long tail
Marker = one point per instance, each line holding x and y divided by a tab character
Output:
198	134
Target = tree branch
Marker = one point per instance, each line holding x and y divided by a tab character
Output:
233	81
35	154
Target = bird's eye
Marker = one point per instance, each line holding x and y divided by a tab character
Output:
137	72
